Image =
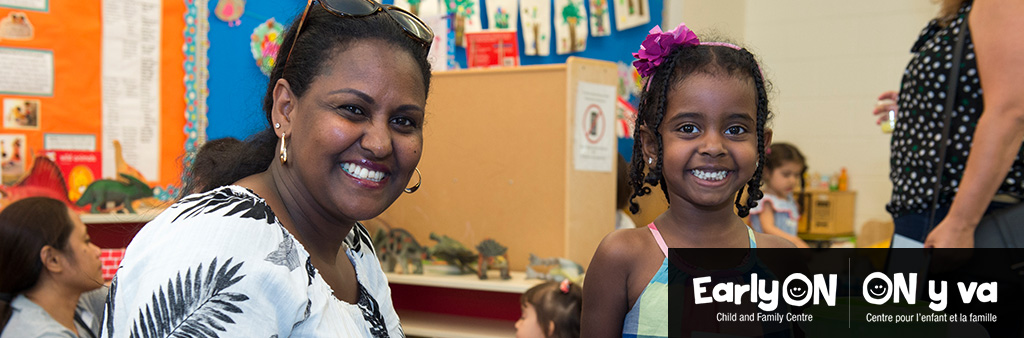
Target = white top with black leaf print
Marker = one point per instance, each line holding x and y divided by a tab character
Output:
219	264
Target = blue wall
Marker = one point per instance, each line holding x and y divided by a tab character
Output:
237	86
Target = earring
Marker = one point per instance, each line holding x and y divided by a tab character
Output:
277	126
419	180
284	150
650	160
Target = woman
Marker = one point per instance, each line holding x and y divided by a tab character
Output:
271	246
989	122
52	282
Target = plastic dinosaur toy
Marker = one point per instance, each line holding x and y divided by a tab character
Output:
102	191
399	247
559	269
492	256
453	252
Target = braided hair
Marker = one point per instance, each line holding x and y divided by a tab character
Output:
677	66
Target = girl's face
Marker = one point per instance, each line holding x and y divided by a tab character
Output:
356	135
709	138
784	178
83	264
527	326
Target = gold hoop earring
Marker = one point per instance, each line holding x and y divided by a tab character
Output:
419	180
284	150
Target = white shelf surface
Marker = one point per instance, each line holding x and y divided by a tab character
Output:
143	217
494	283
433	325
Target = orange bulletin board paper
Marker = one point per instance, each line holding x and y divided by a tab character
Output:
72	31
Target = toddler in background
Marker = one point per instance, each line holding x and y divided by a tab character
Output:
550	310
777	213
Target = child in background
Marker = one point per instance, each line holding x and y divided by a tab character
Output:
777	213
550	310
700	135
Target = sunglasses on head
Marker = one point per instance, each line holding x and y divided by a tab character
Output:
412	25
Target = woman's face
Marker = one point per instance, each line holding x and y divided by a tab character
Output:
83	266
356	135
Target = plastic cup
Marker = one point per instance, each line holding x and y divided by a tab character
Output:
889	124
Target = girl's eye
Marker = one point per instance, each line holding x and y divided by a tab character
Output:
735	130
689	128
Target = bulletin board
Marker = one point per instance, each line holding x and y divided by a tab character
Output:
67	109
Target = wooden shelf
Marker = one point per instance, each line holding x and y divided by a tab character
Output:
434	325
494	283
143	217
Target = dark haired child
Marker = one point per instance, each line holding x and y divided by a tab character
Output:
777	213
550	310
700	135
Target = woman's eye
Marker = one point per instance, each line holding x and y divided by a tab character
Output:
689	128
735	130
404	121
353	109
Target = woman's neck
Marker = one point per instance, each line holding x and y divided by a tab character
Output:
317	230
58	300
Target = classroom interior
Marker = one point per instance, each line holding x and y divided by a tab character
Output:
501	157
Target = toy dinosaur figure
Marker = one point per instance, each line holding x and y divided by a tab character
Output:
492	256
560	269
453	252
44	179
100	192
399	247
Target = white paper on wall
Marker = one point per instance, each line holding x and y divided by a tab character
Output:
536	18
600	20
439	48
593	139
421	8
503	14
570	26
631	13
467	17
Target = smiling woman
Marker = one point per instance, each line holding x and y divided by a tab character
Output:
270	230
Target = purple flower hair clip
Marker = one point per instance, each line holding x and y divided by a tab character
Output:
659	44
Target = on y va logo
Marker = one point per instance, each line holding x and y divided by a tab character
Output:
878	288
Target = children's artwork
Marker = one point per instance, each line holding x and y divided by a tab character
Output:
79	168
503	14
492	49
536	17
264	43
631	13
421	8
12	160
467	17
570	26
442	49
16	26
43	180
230	11
600	21
21	114
625	118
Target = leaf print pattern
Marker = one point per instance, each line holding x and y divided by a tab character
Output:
245	206
371	313
358	237
286	255
193	308
109	306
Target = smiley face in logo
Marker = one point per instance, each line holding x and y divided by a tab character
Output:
877	288
797	289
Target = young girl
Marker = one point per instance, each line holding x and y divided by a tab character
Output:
777	213
700	136
550	310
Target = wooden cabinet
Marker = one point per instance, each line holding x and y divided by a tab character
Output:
827	213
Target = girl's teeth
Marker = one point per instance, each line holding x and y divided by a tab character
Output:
709	175
362	173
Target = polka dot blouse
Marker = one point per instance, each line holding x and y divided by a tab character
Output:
915	140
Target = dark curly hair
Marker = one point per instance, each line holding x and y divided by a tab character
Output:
323	36
677	66
554	306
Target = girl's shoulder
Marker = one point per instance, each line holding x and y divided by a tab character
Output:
771	241
624	246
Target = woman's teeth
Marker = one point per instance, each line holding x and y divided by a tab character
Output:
709	175
363	173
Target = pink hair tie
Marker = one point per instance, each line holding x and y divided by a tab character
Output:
564	286
659	44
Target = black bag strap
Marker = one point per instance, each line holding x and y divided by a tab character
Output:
954	81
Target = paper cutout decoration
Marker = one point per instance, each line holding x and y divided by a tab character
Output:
21	113
503	14
467	17
629	80
536	17
570	26
600	21
421	8
230	11
264	43
16	26
631	13
625	118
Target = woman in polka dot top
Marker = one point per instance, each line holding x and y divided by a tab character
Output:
986	124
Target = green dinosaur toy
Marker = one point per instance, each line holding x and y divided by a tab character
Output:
453	252
102	191
492	256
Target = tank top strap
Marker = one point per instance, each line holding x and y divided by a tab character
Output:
658	238
750	235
